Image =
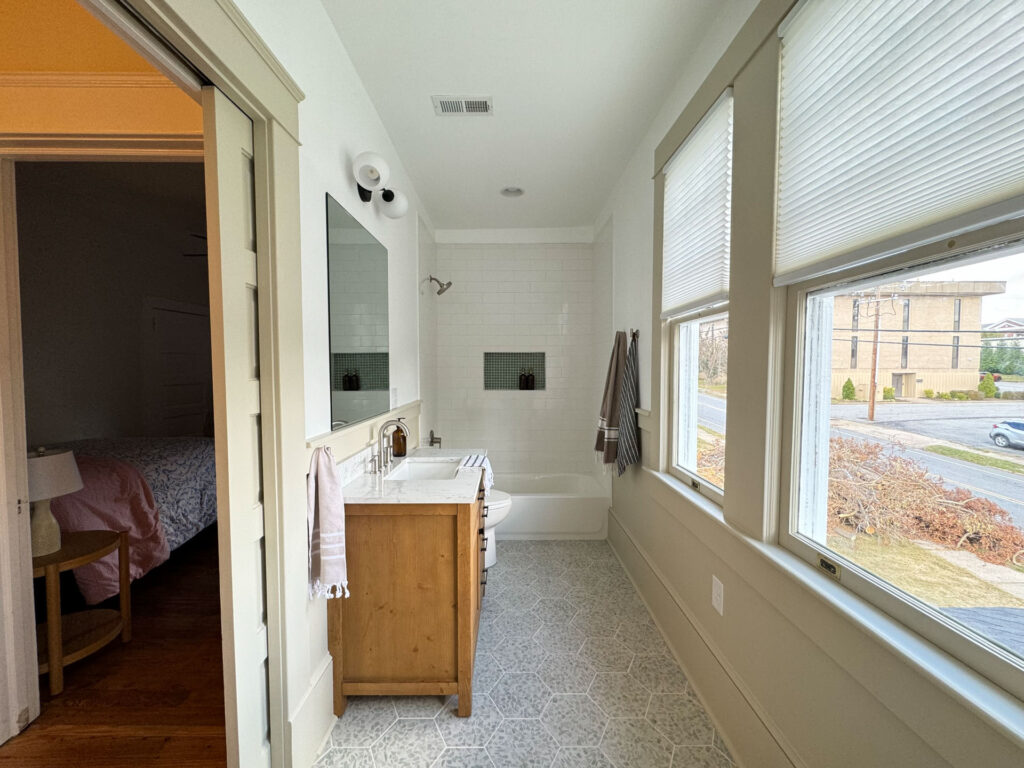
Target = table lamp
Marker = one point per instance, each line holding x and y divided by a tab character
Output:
50	474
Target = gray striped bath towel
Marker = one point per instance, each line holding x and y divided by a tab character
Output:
629	401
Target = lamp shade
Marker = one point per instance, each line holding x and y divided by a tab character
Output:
371	171
395	207
52	474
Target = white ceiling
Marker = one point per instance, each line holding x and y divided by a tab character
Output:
575	84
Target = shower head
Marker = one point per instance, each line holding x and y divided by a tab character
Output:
441	287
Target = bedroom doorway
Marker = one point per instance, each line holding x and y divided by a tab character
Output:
241	429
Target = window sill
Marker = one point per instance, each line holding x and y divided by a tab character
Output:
998	708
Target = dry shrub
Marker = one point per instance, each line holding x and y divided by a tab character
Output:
711	459
892	497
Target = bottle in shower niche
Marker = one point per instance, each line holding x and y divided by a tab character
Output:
531	381
398	442
522	378
346	381
355	380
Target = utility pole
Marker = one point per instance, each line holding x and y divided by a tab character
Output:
873	387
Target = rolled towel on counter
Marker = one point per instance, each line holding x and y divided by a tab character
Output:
477	462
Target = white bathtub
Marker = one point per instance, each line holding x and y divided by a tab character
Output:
554	507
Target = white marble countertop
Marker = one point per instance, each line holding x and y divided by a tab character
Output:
374	489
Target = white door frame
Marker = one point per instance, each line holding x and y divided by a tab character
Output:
19	695
218	40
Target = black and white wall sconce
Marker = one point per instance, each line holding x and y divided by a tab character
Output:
372	173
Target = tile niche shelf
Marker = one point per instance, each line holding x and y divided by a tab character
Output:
501	369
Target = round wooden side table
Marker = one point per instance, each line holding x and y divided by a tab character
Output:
62	640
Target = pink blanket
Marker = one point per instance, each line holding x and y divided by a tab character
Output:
115	498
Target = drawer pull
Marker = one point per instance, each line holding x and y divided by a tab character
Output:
484	547
486	509
483	581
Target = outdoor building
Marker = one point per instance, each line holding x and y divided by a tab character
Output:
929	337
1008	326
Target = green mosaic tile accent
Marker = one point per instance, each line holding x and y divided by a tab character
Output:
501	369
372	367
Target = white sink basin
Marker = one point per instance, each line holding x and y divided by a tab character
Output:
418	469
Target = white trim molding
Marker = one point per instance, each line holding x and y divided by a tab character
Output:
559	235
84	80
149	147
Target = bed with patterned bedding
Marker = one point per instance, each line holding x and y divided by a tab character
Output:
181	472
161	490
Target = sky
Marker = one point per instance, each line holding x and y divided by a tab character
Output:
1006	268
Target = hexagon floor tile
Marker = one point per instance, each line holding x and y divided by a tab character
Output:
636	744
681	719
571	672
473	731
464	757
522	743
574	720
520	694
365	720
345	757
409	744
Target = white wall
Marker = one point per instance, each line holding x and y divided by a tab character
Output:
602	326
95	240
798	671
517	298
428	301
337	121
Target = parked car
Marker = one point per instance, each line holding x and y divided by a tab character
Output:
995	376
1008	434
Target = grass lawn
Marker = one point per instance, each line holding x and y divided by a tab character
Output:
977	458
716	390
922	573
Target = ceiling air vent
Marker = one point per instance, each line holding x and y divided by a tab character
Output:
462	105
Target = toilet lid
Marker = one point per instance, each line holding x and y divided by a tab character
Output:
497	500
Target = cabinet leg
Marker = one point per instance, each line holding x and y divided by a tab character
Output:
465	699
54	639
124	571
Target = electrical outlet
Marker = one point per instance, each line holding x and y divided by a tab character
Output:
717	595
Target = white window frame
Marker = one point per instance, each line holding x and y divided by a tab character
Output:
676	326
983	656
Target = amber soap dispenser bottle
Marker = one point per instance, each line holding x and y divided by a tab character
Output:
398	442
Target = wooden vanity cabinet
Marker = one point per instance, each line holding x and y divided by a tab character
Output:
415	575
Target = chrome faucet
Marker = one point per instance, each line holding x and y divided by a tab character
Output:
383	457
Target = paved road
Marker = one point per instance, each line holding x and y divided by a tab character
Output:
960	422
711	412
1004	488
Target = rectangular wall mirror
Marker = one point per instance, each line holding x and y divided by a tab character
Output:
357	301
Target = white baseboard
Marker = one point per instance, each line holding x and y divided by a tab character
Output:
311	723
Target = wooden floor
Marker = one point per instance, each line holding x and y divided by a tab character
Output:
157	701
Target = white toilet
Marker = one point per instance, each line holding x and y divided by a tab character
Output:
496	508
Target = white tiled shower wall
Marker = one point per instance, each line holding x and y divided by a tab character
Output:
519	298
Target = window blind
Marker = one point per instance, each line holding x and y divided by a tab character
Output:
698	196
901	121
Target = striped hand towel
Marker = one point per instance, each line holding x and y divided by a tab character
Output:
629	401
608	422
325	525
478	461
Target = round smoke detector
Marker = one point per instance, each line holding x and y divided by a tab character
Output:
512	191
